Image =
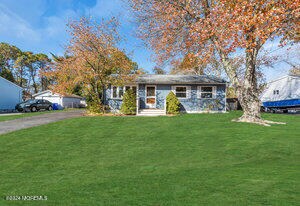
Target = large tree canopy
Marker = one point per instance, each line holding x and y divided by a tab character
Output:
92	60
220	28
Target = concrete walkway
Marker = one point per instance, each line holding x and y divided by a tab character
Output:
10	114
27	122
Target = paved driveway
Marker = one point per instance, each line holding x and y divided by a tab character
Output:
26	122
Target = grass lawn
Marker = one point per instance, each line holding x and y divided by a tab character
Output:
184	160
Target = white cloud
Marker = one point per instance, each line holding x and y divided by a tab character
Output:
56	25
48	36
13	26
104	8
41	27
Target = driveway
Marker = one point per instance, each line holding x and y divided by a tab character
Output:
27	122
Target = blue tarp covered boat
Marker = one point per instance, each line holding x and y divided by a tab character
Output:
283	103
282	94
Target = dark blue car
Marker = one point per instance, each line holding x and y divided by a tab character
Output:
34	105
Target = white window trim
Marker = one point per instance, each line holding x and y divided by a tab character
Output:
118	92
188	91
214	92
118	89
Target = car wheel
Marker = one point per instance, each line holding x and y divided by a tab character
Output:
33	109
50	108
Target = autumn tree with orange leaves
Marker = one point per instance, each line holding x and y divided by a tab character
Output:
92	60
189	64
223	27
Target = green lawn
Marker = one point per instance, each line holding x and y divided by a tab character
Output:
184	160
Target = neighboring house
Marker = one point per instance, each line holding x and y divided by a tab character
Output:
63	101
10	95
196	93
282	92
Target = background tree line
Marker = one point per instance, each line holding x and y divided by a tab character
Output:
24	68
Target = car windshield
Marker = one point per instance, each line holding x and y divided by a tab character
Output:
30	101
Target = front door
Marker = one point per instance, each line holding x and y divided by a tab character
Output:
150	96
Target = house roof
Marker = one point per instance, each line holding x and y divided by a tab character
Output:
42	92
179	79
67	95
283	77
11	82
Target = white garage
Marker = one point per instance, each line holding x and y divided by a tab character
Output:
63	101
10	95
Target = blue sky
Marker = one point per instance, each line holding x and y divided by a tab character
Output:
39	26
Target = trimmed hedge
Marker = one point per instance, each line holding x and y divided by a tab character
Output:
173	104
129	103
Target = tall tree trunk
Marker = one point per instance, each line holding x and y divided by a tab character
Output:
34	85
248	94
103	98
250	103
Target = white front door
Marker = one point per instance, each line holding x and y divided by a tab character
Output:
150	96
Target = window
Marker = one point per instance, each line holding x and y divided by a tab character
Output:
117	92
275	92
130	87
181	92
206	92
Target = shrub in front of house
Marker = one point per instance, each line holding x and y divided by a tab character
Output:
94	107
173	104
129	103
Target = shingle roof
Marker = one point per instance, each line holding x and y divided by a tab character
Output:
66	95
178	79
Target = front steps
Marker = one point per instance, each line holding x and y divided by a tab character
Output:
151	112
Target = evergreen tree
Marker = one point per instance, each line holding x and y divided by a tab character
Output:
129	102
173	104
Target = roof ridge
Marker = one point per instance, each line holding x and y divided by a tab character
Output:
179	78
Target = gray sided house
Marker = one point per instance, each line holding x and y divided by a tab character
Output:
196	93
10	95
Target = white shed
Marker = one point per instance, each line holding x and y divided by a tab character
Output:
63	101
10	95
